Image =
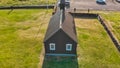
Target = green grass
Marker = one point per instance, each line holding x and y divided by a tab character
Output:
95	48
25	2
20	46
60	62
113	18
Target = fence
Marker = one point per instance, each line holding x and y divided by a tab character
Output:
28	7
110	33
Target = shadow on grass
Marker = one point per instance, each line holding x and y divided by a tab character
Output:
60	62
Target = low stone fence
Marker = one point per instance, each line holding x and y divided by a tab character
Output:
27	7
89	15
110	33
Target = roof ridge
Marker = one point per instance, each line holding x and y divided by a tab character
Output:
61	18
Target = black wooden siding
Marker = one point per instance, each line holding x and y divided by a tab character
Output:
60	39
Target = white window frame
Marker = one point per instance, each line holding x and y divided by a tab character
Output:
52	46
67	47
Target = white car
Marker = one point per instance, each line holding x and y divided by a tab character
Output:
100	1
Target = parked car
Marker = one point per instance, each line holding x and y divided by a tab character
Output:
101	1
118	1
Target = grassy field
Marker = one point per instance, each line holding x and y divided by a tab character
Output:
95	49
21	37
22	33
113	18
25	2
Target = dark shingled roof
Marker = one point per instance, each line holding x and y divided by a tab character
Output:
61	20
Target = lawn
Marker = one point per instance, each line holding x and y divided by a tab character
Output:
21	42
25	2
95	48
21	37
113	18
